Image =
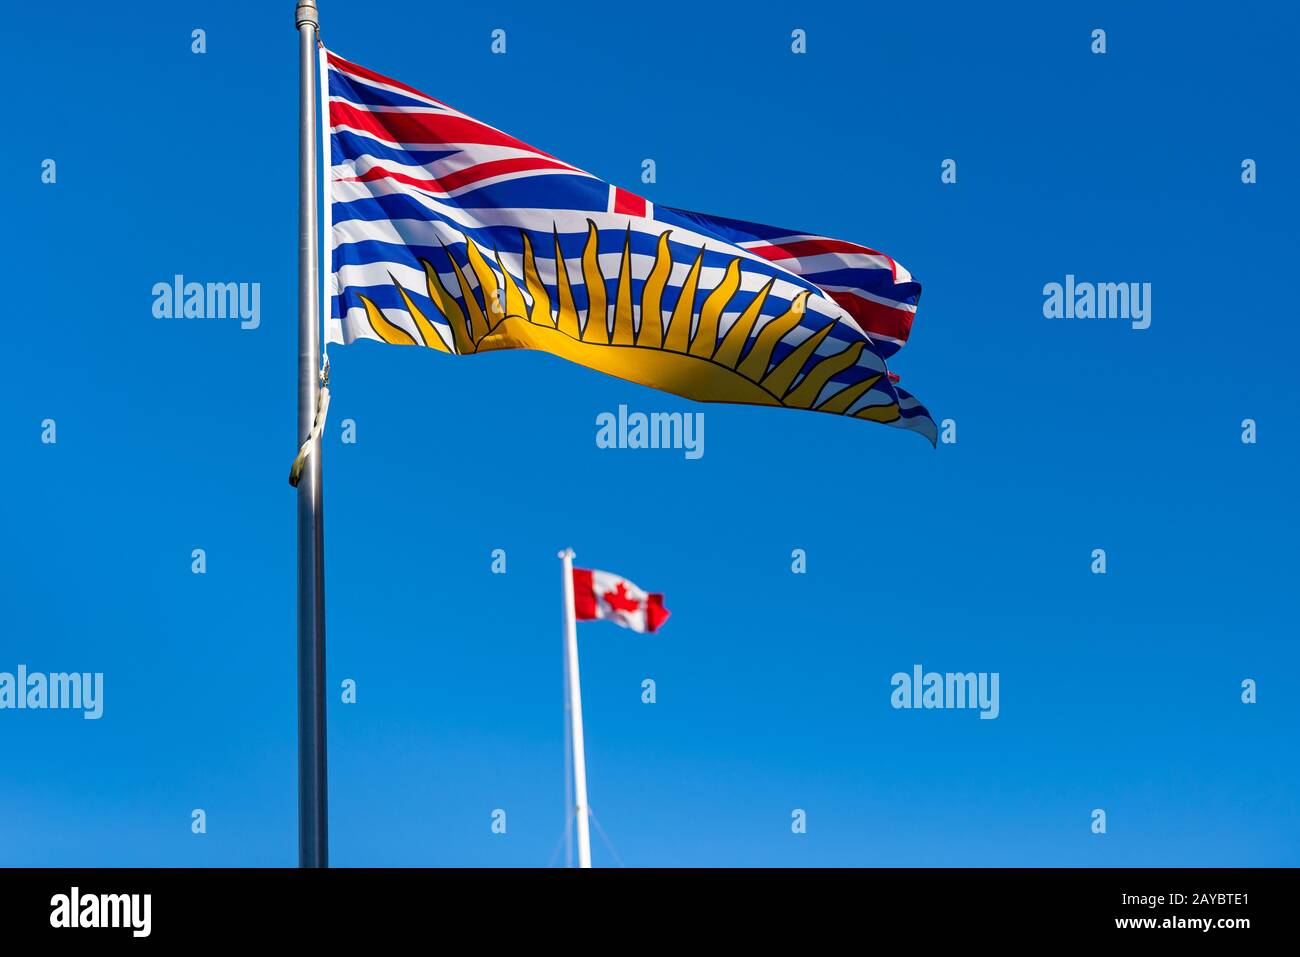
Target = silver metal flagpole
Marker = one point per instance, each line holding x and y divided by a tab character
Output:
575	713
313	839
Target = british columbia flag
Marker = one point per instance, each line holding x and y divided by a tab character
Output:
448	233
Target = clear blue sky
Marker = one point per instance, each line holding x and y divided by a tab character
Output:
1119	692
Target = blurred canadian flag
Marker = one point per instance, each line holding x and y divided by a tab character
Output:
598	594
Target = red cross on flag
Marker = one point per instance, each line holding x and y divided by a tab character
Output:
598	594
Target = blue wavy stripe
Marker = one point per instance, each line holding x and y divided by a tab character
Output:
544	191
507	238
363	94
878	281
346	145
733	230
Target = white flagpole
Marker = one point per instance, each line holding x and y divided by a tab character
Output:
575	713
568	758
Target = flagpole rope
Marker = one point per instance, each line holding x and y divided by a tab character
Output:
317	425
560	843
605	837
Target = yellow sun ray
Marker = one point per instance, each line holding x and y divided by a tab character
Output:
429	334
651	334
705	340
879	413
493	303
839	403
450	308
678	338
728	353
778	380
805	393
756	361
597	328
567	320
541	312
385	329
514	297
478	327
623	296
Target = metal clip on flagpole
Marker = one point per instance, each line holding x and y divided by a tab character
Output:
575	713
313	401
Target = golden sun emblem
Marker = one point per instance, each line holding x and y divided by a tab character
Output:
698	366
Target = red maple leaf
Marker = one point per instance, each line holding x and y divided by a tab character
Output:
620	600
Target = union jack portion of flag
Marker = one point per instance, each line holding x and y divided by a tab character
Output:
448	233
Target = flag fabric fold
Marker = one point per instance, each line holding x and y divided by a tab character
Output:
451	234
605	596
